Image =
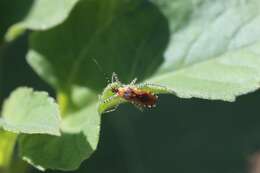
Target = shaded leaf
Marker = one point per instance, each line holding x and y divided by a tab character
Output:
28	111
215	54
64	153
118	40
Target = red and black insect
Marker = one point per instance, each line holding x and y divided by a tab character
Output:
135	95
132	93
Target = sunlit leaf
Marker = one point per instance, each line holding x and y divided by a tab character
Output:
79	139
43	15
215	54
28	111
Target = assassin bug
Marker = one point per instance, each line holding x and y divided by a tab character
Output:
140	95
133	94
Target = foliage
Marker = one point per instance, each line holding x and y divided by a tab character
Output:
189	48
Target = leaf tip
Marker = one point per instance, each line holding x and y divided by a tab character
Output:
14	31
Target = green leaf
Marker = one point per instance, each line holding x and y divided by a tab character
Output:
80	134
12	12
28	111
63	153
87	120
89	43
214	54
100	36
44	14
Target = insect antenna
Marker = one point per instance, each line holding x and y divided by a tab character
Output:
101	70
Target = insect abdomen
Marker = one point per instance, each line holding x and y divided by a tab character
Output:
146	99
138	97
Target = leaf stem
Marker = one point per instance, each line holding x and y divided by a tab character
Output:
7	145
63	102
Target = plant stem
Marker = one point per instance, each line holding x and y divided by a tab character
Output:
63	102
7	144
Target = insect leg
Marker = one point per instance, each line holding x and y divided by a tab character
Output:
110	103
111	110
109	99
133	81
115	78
138	106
